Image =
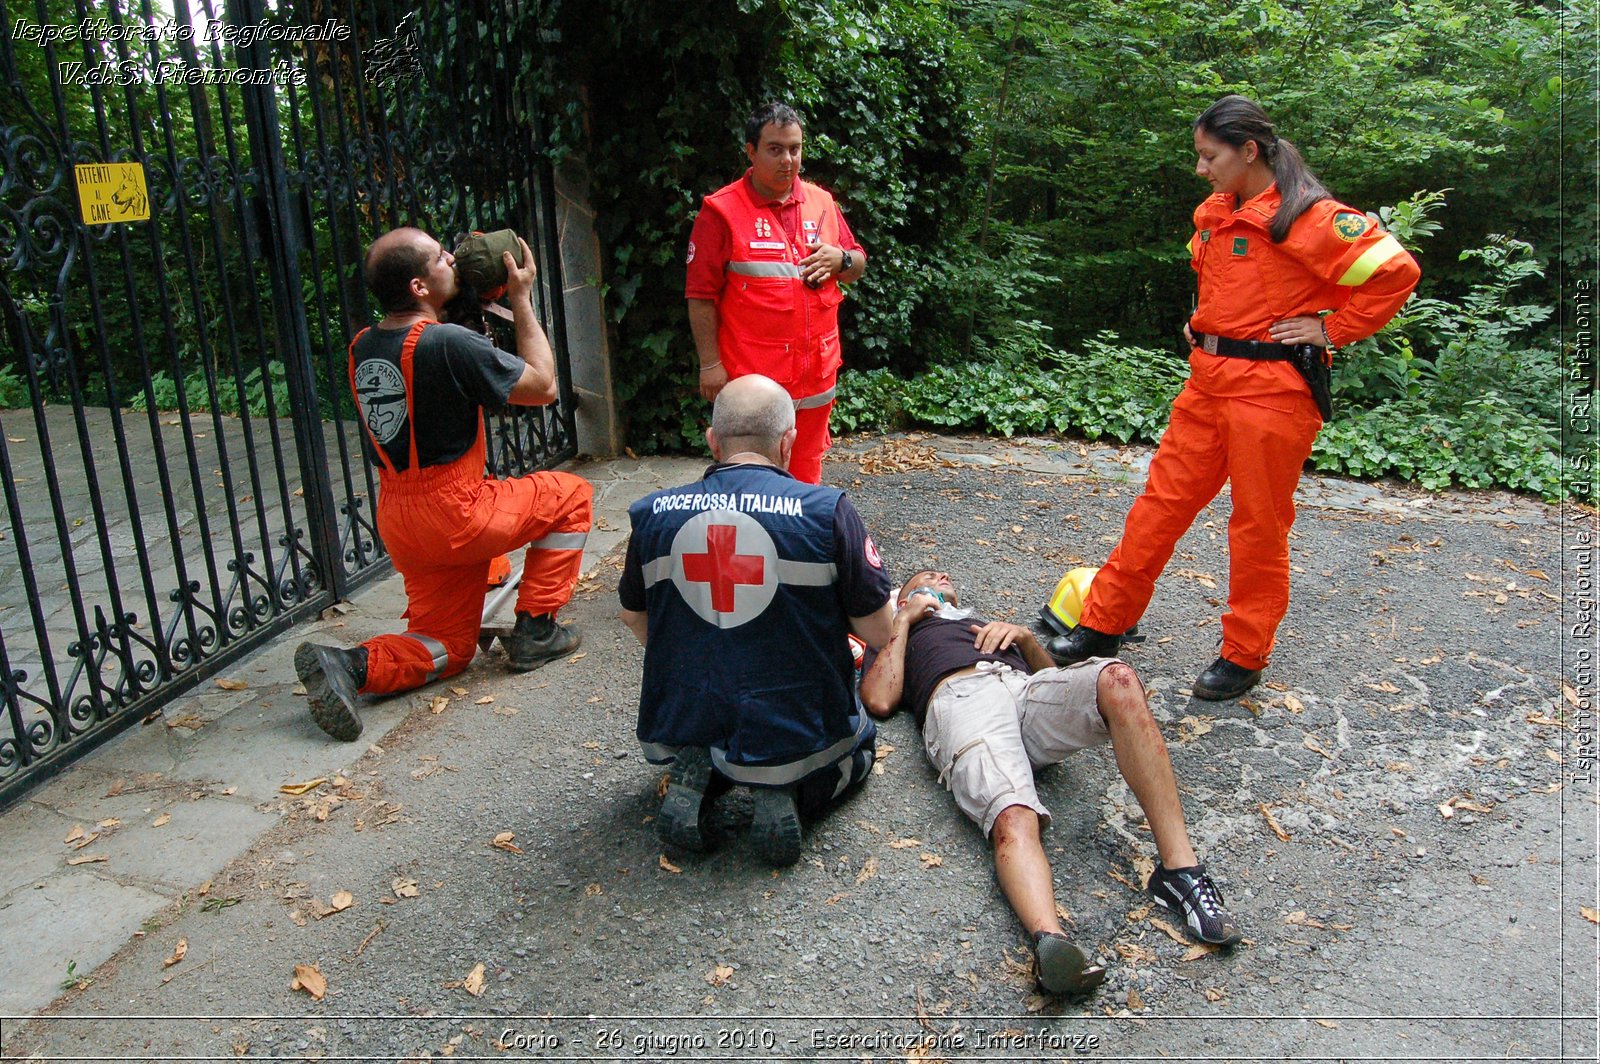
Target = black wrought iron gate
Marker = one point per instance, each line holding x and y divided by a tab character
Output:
184	198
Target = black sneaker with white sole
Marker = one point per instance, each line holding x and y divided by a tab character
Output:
1191	894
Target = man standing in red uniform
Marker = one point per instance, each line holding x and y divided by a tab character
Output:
766	258
420	387
1284	270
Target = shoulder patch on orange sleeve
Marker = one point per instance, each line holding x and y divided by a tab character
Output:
1349	225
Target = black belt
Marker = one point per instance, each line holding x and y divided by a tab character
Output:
1255	350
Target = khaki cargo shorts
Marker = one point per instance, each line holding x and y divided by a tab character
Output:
988	730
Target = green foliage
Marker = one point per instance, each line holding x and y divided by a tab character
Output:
1105	389
1490	443
1482	410
1087	105
162	393
13	389
656	107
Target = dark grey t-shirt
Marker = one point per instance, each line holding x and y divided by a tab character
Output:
457	372
935	648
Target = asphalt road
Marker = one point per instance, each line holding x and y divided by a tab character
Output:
1389	816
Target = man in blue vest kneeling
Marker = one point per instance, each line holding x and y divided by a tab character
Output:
742	588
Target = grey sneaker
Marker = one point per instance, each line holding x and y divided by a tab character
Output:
1190	893
537	640
332	677
682	809
1061	967
775	831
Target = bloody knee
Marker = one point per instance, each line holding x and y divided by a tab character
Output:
1015	824
1121	695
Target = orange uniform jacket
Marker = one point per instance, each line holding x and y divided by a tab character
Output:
1334	258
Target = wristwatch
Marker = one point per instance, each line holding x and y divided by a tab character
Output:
848	260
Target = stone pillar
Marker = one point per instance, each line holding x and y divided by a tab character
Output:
588	340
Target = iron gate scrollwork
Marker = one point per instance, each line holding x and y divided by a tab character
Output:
182	470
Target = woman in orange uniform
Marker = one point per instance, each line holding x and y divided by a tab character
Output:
1281	264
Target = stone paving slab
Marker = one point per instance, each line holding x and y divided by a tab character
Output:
209	780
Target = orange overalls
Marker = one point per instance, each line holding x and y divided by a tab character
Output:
443	525
1247	422
770	322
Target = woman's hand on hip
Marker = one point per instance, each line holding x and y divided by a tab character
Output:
1305	329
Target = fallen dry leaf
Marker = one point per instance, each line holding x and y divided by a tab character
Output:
74	835
1327	1023
503	841
1293	704
719	975
473	983
1136	953
404	888
1310	743
593	890
1591	915
835	899
161	821
1134	1000
1168	930
868	870
1198	950
307	978
1299	917
86	840
1446	810
178	952
931	860
88	858
233	685
668	866
302	788
904	844
1214	993
341	900
1272	822
484	701
459	692
437	705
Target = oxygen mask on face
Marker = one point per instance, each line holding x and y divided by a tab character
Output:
945	610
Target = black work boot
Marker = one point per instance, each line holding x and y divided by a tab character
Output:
775	830
1224	680
332	676
1061	967
681	820
1081	644
538	639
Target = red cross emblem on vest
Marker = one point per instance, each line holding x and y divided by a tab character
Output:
722	567
725	567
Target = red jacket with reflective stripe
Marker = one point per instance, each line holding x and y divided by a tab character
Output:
768	321
1334	258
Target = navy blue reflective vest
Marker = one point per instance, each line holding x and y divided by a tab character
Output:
746	649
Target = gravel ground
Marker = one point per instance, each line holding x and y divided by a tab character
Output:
1419	666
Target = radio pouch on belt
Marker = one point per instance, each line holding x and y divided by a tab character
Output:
1312	364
